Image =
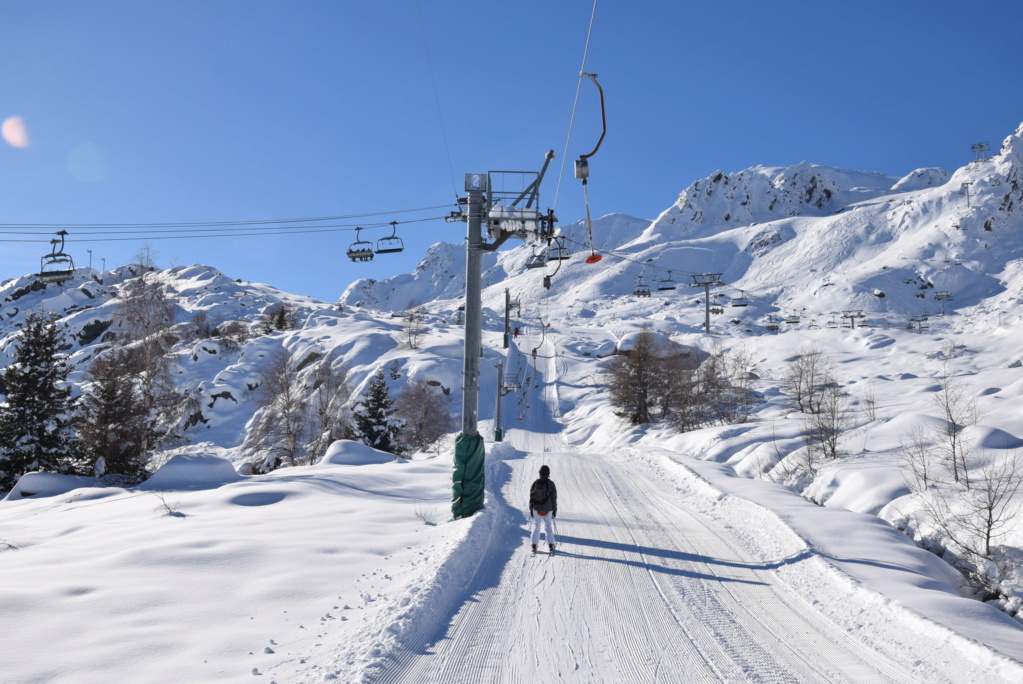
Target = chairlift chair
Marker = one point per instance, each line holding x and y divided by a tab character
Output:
667	283
392	243
641	289
557	251
56	267
792	319
536	260
740	300
360	250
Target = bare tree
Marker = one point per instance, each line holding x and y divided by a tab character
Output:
144	314
973	519
426	414
829	423
680	392
870	402
281	427
807	375
916	452
991	504
741	379
333	415
635	379
200	327
235	333
414	327
959	410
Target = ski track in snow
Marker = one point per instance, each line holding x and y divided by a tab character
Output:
645	587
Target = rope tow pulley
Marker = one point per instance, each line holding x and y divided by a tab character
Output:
582	167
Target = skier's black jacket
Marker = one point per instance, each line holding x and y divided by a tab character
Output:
551	504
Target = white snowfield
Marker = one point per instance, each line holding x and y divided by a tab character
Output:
668	569
662	576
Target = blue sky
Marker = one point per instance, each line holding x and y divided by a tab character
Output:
225	111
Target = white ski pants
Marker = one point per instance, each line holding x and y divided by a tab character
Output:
548	526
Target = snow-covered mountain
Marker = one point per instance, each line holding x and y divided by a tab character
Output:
340	570
805	240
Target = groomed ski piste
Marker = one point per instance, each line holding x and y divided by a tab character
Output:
681	558
668	569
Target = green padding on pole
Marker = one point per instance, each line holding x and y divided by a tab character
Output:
468	478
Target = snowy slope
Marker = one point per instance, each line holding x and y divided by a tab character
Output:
674	566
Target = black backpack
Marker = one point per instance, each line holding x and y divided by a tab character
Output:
539	492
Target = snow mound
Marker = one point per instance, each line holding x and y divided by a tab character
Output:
347	452
40	485
667	346
192	472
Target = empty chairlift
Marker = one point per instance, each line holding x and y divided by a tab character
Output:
740	300
360	250
536	260
56	267
391	244
667	283
557	251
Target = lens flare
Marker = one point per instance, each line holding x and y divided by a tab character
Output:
14	132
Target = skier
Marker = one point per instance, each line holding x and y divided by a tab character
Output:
543	499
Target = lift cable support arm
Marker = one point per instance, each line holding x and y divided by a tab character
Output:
582	167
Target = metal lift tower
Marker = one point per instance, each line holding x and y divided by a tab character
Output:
706	281
506	213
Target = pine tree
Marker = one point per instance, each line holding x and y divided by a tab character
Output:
35	419
113	423
374	416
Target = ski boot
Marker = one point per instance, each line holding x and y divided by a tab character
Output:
552	548
534	549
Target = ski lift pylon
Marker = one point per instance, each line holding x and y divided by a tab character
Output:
56	267
392	243
360	250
